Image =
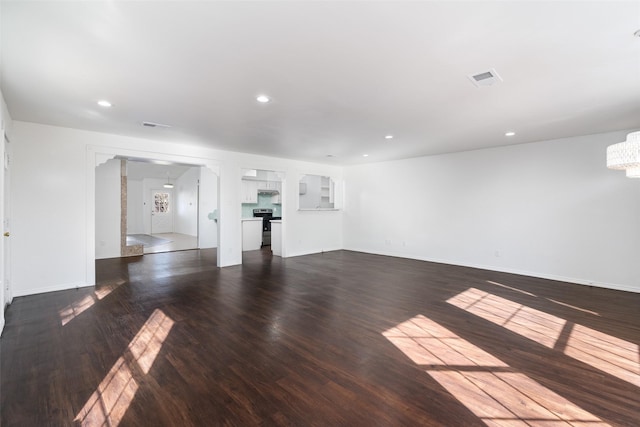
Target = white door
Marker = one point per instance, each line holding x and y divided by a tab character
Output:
8	295
161	211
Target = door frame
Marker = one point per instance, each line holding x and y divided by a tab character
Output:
96	155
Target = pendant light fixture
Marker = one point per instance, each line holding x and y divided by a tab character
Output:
168	184
626	155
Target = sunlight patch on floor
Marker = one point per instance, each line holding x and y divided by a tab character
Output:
536	325
602	351
108	404
493	391
76	308
610	354
105	288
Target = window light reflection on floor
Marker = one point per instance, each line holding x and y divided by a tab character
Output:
610	354
536	325
76	308
493	391
108	404
602	351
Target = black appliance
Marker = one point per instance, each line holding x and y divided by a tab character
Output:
267	216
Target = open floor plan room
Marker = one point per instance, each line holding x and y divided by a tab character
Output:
340	338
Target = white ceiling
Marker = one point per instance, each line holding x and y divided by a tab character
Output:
341	74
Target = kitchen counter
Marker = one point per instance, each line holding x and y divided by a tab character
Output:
276	237
251	234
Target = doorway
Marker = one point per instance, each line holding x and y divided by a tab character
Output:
262	211
143	207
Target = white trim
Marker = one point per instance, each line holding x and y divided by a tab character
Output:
1	324
314	252
53	288
573	280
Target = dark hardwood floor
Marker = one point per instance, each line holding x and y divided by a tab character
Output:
334	339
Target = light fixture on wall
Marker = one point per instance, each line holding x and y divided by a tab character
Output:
626	155
168	184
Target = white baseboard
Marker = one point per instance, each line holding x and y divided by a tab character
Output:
585	282
295	254
45	289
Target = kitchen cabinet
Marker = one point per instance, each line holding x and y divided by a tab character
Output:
316	193
251	234
267	185
249	191
276	199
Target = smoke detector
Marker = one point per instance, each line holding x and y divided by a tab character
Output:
485	78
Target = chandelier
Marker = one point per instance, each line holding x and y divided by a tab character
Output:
626	155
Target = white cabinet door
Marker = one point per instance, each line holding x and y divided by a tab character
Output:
267	185
276	199
249	191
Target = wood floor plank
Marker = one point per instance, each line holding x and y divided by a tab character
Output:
340	338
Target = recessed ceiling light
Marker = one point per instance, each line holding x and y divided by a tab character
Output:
637	33
263	99
388	137
104	103
509	133
330	155
365	155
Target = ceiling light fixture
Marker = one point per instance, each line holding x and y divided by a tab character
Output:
510	133
626	155
263	99
168	184
388	137
365	155
104	103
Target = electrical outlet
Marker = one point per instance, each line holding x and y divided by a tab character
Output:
497	254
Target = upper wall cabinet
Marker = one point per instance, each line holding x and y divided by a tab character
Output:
249	191
316	193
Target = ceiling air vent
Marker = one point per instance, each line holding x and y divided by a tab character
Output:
487	78
154	125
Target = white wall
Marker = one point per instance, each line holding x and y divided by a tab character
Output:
47	257
108	209
548	209
135	224
186	202
49	237
208	228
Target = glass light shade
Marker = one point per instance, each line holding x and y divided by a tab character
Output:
625	155
168	185
633	172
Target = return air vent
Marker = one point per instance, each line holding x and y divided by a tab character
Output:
486	78
154	125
